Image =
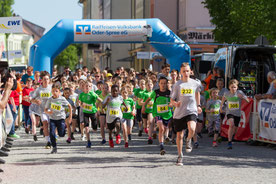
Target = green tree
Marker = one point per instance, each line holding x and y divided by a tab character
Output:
68	57
242	21
5	8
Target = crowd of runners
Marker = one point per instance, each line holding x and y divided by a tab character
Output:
170	106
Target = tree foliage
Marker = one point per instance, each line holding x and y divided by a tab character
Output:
242	21
68	57
5	8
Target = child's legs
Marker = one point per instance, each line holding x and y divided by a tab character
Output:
26	115
191	128
124	127
231	129
161	131
53	132
118	127
61	127
102	123
150	124
86	126
74	124
45	123
68	127
217	129
111	127
33	120
129	126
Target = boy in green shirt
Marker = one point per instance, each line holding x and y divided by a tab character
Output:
161	109
88	100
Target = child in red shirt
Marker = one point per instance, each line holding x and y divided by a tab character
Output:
26	103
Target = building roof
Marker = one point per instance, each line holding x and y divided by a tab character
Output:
35	29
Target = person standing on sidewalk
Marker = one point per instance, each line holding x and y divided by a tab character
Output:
186	98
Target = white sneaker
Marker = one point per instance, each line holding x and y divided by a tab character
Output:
189	146
179	161
83	138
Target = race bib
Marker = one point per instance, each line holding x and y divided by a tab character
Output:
162	108
114	112
74	100
216	112
149	106
233	105
45	95
186	92
87	107
124	109
55	106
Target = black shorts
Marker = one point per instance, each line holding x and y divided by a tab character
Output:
181	124
199	120
237	119
93	120
145	115
139	115
222	115
165	122
75	116
111	126
102	114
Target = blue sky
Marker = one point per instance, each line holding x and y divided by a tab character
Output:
47	13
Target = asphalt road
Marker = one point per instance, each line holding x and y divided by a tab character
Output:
30	163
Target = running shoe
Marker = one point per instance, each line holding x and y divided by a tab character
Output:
111	143
103	142
48	145
167	140
215	144
129	137
189	146
72	136
146	130
88	144
27	130
35	138
229	146
199	135
173	141
54	150
140	133
219	139
83	138
69	140
14	136
126	145
150	141
196	144
154	135
179	161
162	150
118	139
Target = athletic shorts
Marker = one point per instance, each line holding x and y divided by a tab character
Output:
165	122
145	115
199	120
139	115
237	119
222	115
214	125
44	117
92	117
181	124
111	126
129	122
102	114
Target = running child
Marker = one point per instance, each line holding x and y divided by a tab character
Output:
88	100
55	109
161	109
26	103
34	112
212	109
66	93
128	114
233	100
114	115
73	96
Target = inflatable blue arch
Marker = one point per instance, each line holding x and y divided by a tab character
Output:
68	31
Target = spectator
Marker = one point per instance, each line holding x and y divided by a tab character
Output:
29	74
271	76
165	71
211	76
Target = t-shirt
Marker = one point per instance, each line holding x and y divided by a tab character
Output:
57	105
137	92
42	94
130	104
67	108
185	93
25	77
113	110
233	103
271	89
145	95
220	94
213	105
161	104
101	109
15	95
203	104
26	92
98	92
89	102
34	108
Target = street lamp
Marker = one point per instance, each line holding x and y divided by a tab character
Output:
108	54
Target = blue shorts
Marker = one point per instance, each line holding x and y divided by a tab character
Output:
165	122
